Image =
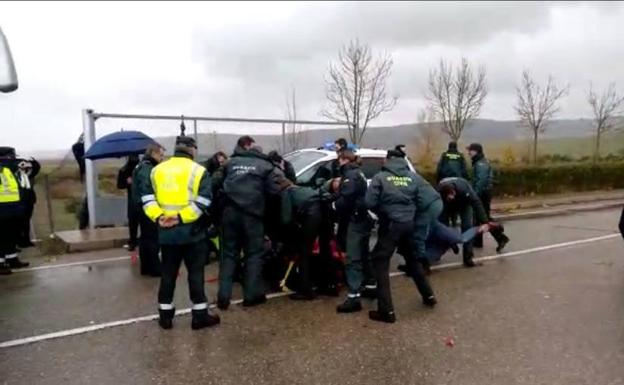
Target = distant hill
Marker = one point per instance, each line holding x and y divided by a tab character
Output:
481	130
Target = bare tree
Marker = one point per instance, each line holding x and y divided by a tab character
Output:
604	108
356	88
428	139
456	95
295	135
536	105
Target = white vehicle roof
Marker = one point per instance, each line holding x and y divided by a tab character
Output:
307	158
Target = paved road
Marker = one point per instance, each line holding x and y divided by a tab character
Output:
543	317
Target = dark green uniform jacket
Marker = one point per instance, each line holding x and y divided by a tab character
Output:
141	177
351	193
393	192
483	176
427	194
465	196
452	164
184	233
295	199
247	177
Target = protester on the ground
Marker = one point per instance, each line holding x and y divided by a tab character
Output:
11	211
355	225
452	164
247	177
124	182
148	240
483	183
28	170
392	196
178	199
461	200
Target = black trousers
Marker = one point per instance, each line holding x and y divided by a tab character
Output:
498	233
9	234
309	223
390	236
241	231
148	246
327	277
134	216
24	233
193	255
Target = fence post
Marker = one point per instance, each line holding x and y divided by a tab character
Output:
195	129
88	126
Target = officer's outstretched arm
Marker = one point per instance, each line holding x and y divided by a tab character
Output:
148	198
198	206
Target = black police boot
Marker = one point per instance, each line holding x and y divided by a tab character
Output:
255	301
350	305
15	263
430	301
5	269
301	296
382	317
166	318
223	304
501	245
203	319
369	291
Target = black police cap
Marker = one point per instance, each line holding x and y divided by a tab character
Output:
475	147
186	141
7	151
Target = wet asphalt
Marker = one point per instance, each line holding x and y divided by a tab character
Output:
550	317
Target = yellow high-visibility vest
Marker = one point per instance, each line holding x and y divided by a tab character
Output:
176	186
9	188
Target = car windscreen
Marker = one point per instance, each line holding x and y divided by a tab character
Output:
303	159
371	166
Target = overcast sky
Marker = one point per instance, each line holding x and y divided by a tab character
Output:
239	59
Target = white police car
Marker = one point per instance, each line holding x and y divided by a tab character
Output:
309	163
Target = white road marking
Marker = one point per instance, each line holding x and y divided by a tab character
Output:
152	317
72	264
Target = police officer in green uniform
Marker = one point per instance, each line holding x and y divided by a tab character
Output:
11	212
354	228
302	210
393	197
148	241
246	178
452	164
482	184
429	207
460	199
177	199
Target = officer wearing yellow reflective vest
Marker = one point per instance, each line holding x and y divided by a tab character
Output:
177	199
11	211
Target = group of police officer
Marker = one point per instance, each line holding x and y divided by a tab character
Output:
17	200
181	199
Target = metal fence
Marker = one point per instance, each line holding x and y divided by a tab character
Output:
212	134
